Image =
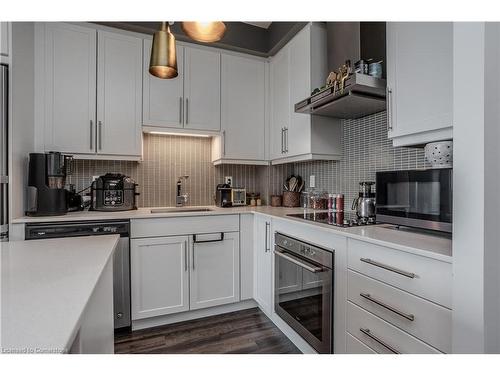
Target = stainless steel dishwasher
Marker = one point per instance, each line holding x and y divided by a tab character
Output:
121	257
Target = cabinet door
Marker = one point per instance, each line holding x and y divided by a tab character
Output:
298	134
70	88
159	276
263	264
420	76
243	108
201	89
162	98
280	102
119	94
4	39
215	269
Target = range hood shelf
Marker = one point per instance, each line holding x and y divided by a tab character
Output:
362	95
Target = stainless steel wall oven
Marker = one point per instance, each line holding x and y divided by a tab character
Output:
304	280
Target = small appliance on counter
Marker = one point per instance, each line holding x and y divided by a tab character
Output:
226	196
238	196
364	204
113	192
47	173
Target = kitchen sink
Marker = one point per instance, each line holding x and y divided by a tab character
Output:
179	209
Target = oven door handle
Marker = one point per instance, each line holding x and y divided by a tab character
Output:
299	262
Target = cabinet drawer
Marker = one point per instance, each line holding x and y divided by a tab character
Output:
423	319
354	346
425	277
382	336
175	226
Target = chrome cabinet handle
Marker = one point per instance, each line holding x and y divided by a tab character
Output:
185	256
224	142
100	135
180	109
389	108
300	263
193	255
367	296
267	247
282	140
367	332
286	140
388	268
187	111
91	135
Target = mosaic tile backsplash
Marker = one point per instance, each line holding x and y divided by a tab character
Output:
165	159
366	150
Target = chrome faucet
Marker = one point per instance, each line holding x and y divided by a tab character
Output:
181	199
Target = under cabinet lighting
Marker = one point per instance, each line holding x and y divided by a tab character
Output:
181	134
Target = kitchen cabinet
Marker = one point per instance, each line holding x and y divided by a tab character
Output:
419	82
263	287
119	94
191	101
92	91
159	276
70	88
163	99
243	112
215	269
296	70
4	39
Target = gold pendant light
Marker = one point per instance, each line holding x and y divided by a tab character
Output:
207	32
163	62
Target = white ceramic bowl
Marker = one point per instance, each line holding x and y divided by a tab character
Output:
439	154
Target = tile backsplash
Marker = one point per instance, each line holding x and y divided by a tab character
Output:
165	158
366	150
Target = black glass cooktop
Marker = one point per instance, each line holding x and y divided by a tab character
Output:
348	219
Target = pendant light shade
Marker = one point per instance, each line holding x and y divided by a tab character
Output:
163	62
207	32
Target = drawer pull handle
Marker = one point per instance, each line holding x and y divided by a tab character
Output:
388	307
388	268
367	332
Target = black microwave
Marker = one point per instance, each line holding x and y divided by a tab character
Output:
419	198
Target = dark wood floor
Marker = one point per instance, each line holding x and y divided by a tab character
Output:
243	332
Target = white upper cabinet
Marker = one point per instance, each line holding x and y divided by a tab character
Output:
296	70
201	89
420	82
280	99
70	88
119	94
163	98
90	91
243	111
215	269
4	39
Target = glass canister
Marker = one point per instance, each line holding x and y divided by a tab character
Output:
318	200
304	199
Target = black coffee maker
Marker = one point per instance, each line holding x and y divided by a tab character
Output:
46	181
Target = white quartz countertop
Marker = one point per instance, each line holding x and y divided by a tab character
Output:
433	246
45	287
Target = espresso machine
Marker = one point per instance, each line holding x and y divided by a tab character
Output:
364	204
47	173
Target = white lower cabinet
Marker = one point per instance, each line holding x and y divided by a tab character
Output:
354	346
159	276
263	281
215	269
174	274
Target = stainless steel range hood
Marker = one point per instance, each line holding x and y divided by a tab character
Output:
362	94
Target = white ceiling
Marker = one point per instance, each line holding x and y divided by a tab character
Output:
264	25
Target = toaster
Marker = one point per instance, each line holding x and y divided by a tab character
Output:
113	192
